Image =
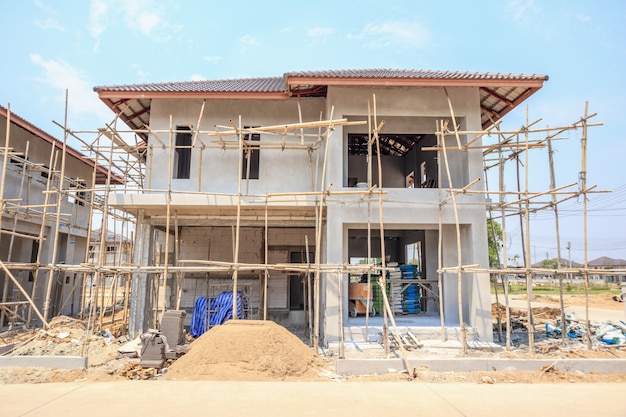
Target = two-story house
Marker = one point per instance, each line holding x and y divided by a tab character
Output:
237	170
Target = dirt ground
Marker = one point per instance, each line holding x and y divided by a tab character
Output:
265	351
603	300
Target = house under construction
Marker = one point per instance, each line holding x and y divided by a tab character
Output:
286	192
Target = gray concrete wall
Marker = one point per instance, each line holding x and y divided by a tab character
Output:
278	171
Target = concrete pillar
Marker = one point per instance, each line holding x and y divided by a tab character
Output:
335	243
140	301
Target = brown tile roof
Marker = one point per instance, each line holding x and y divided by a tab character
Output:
278	84
499	92
247	85
416	74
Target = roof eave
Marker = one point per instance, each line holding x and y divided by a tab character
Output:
113	94
416	82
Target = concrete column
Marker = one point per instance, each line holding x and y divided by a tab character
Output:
335	243
140	301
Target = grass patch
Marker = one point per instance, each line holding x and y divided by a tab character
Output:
567	289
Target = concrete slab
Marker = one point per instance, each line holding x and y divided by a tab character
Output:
288	399
383	366
61	362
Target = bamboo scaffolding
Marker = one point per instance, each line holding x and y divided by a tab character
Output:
295	136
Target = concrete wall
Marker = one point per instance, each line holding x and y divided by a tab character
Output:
216	244
278	171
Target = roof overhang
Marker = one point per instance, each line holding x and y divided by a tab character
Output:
499	93
497	96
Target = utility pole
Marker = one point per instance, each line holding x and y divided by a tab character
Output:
569	257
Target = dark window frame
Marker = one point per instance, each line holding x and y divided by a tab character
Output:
182	167
255	155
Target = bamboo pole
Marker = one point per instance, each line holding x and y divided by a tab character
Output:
558	243
505	278
318	244
383	280
238	222
309	288
52	163
168	209
46	309
266	257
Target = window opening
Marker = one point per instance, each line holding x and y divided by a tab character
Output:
251	158
182	158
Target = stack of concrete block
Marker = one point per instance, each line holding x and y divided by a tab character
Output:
152	350
172	327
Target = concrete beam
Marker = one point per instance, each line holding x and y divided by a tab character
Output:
61	362
383	366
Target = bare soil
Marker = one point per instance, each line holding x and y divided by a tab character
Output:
603	300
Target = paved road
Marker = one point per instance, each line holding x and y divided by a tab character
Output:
329	399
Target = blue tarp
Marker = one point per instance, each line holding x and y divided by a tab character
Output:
218	311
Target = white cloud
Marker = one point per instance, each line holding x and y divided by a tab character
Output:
397	35
213	59
50	23
197	77
46	8
148	19
97	15
147	22
523	11
249	40
317	32
60	75
140	73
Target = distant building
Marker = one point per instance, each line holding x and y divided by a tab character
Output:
604	262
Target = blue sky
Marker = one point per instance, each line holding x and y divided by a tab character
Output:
52	46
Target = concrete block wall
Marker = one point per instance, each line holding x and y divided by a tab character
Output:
216	243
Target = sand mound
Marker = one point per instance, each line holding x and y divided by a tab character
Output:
247	350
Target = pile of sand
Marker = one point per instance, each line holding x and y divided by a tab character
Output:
247	350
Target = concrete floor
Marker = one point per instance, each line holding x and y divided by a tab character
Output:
179	398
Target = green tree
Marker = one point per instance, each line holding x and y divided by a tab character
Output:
550	263
494	240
